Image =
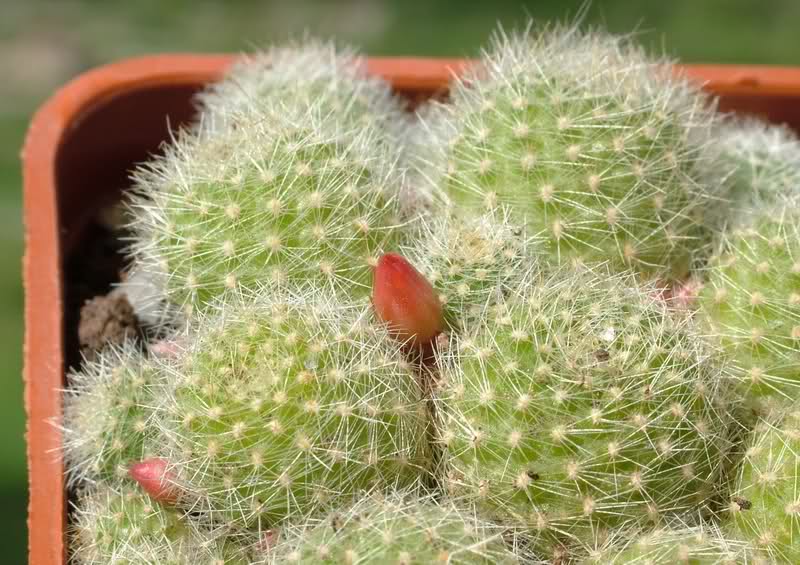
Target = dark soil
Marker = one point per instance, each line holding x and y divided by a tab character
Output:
106	320
95	314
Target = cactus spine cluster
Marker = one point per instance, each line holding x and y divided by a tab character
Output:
299	77
579	404
398	528
281	404
590	142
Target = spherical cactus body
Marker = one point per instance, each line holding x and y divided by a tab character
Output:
292	193
594	145
578	405
126	527
394	529
283	404
751	300
765	503
309	74
107	411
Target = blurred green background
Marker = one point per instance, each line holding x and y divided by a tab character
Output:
45	43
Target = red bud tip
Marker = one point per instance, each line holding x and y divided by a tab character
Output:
155	480
406	301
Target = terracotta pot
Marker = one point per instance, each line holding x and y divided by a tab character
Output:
79	149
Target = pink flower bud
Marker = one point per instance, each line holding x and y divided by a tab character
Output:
153	477
406	301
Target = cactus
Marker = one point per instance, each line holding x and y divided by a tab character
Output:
394	529
697	545
578	405
764	160
751	299
284	402
107	411
294	196
126	527
598	148
471	260
306	74
765	505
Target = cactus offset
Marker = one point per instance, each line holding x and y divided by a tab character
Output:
751	300
107	409
764	160
598	148
471	261
283	402
765	504
581	404
394	529
126	527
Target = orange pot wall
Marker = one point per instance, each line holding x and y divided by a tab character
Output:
80	146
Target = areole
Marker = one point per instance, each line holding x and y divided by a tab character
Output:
74	162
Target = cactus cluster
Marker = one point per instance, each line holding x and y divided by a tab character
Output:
447	342
397	528
594	145
579	404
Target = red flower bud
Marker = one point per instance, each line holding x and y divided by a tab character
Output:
406	301
153	477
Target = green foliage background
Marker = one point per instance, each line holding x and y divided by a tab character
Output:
43	43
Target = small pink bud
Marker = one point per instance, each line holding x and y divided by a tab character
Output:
680	294
406	301
268	540
165	349
153	477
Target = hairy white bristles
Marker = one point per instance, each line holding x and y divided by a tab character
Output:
764	160
675	543
304	74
